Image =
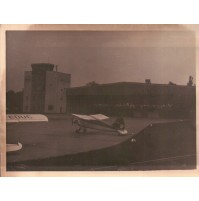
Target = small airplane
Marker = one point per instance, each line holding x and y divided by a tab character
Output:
97	122
18	118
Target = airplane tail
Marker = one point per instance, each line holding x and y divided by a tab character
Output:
119	124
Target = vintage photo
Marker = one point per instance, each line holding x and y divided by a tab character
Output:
100	100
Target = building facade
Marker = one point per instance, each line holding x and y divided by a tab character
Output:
44	89
133	99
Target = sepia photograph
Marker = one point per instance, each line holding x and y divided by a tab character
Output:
100	100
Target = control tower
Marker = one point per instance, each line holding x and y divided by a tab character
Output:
44	89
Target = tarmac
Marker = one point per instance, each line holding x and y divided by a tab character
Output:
57	137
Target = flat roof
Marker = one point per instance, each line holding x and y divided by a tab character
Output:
60	72
126	88
130	83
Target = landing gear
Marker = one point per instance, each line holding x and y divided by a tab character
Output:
81	130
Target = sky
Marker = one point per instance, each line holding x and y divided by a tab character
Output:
103	56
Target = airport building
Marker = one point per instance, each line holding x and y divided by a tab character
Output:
133	99
48	91
44	89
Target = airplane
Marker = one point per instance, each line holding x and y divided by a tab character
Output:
97	122
18	118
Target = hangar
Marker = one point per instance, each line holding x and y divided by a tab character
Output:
133	99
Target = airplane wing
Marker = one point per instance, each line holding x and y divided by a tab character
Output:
18	118
91	117
13	147
11	118
99	117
